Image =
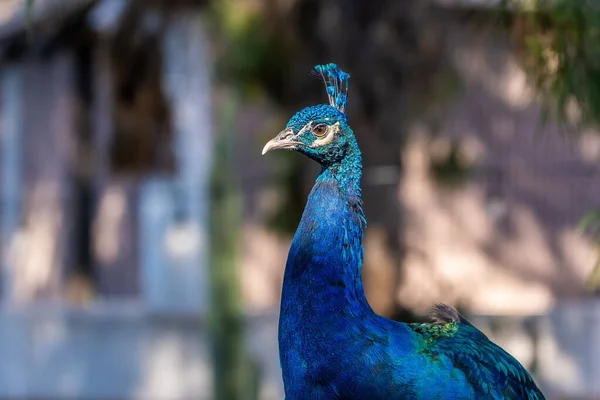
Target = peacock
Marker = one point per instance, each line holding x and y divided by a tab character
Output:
332	344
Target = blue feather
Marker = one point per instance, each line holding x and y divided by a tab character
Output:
336	84
331	343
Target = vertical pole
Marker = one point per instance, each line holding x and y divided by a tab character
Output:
231	377
10	161
186	68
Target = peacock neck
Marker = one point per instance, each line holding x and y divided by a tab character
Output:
323	272
346	173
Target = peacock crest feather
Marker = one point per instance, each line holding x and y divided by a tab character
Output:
336	83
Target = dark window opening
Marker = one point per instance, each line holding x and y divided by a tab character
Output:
143	138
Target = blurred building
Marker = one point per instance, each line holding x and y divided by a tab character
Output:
105	160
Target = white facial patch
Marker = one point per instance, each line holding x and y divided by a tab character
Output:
305	128
332	130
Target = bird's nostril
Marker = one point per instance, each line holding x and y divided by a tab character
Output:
286	135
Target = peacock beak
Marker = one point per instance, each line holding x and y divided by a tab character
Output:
284	140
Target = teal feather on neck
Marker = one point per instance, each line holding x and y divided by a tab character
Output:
347	174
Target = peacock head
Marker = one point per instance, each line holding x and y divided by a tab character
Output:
321	132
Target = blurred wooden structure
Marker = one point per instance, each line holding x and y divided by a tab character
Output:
106	111
105	156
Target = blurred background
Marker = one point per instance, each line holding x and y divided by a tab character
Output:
143	237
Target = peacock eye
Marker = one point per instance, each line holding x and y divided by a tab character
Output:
319	130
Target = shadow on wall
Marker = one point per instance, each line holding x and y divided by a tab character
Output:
505	241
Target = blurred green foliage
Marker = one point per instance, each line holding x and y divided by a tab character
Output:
591	223
235	374
29	6
250	55
558	44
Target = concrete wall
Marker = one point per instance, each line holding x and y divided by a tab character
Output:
109	353
118	351
561	349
